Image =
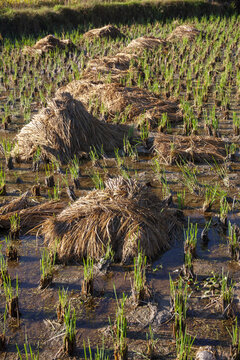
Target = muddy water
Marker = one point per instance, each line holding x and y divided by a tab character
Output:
38	307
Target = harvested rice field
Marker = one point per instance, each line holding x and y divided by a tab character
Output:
120	192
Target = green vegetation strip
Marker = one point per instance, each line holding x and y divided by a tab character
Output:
16	22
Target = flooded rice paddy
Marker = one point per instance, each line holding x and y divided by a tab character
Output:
202	75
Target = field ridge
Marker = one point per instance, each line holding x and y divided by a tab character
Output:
31	21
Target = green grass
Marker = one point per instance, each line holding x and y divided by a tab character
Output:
184	343
139	281
227	289
2	177
46	264
3	265
179	295
119	332
190	236
15	222
70	323
55	15
9	291
88	269
100	353
63	297
37	4
235	335
28	352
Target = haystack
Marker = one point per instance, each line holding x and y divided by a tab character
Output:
48	43
113	68
108	31
138	105
199	149
137	46
184	31
124	214
64	129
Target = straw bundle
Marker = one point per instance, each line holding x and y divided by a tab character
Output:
46	44
114	67
64	129
137	46
198	149
17	204
184	31
108	31
117	67
33	215
137	104
124	214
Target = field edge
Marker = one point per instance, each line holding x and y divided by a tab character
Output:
30	21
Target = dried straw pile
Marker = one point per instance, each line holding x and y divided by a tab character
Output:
17	204
108	31
184	31
32	217
137	104
31	214
48	43
198	149
117	67
122	214
113	67
137	46
64	129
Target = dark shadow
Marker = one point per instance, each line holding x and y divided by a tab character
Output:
86	324
211	342
29	285
29	259
70	286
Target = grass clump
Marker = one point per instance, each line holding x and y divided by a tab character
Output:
11	295
28	352
178	300
139	287
62	304
100	354
87	285
70	331
119	332
46	269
